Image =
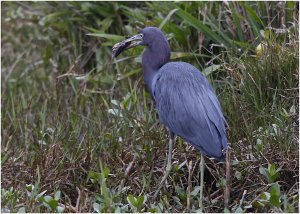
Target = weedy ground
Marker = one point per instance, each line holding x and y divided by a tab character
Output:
80	133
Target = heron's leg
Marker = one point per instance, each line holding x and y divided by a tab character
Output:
201	183
169	163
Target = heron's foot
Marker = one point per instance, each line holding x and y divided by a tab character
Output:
166	174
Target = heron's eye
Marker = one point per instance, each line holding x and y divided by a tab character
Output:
142	35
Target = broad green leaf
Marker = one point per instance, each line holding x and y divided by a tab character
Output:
275	189
141	201
275	200
132	200
53	204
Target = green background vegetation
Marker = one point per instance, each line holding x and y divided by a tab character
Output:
81	134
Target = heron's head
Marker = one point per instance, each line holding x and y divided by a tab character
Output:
151	37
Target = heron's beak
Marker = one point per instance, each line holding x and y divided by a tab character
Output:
126	44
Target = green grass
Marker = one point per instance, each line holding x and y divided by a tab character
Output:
81	134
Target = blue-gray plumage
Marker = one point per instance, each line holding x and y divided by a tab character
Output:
188	106
185	100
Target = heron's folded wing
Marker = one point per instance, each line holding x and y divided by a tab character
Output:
188	106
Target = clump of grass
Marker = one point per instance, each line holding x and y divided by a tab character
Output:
80	133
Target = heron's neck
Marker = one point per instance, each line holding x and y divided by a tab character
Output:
153	60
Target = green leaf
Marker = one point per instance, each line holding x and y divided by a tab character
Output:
94	176
293	109
167	18
132	200
181	165
266	196
258	204
40	195
242	44
179	190
265	172
195	191
209	70
274	173
179	55
238	175
107	36
97	207
60	209
272	168
237	18
105	172
239	210
275	190
253	14
48	198
259	145
29	187
254	20
141	200
57	195
53	204
196	23
226	210
275	200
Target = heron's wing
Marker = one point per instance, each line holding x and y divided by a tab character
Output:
188	106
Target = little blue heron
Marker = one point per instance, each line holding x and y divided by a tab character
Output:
186	102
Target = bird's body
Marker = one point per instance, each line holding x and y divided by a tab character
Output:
185	100
188	106
186	103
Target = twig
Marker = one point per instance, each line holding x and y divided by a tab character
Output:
129	167
201	184
228	178
243	197
126	173
189	185
78	200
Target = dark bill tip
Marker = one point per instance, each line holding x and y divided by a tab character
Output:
119	48
129	42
